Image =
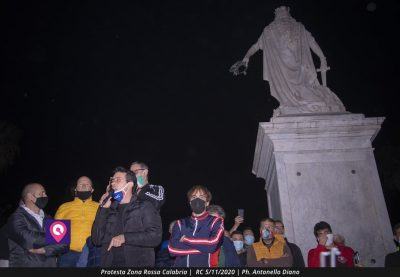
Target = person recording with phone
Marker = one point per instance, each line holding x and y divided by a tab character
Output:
324	237
127	228
238	220
248	234
227	255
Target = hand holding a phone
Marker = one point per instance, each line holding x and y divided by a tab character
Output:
326	241
107	204
329	240
238	220
240	217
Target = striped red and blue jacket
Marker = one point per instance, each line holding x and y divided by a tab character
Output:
194	239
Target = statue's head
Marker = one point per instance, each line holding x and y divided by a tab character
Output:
282	12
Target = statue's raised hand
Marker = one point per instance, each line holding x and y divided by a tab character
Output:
239	67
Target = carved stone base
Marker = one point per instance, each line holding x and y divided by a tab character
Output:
322	168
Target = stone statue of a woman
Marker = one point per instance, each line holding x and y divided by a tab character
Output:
289	68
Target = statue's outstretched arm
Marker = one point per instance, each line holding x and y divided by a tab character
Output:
253	49
240	67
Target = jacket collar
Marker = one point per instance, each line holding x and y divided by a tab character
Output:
77	200
200	217
143	189
31	218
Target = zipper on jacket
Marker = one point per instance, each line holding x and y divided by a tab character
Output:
194	231
195	227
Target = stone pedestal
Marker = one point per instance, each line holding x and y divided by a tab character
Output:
322	168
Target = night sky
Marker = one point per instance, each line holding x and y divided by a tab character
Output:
94	85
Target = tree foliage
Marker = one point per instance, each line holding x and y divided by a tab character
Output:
10	136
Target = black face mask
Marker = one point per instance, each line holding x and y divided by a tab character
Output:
41	202
83	195
198	205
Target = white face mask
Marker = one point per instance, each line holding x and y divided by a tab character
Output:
238	245
249	239
121	189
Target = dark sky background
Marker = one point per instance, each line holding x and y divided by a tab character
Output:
94	85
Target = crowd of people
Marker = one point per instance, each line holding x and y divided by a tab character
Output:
124	229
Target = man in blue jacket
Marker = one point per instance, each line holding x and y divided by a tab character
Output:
195	240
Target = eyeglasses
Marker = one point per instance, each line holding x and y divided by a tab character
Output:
115	179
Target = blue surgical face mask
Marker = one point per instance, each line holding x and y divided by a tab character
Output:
118	195
238	245
249	239
140	181
266	233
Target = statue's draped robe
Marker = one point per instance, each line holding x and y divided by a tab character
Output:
290	71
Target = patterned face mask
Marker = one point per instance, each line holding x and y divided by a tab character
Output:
266	234
119	194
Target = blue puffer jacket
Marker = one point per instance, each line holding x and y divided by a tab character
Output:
194	239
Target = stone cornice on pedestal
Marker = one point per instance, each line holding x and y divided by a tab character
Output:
327	132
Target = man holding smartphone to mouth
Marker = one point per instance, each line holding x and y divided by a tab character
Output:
324	236
126	228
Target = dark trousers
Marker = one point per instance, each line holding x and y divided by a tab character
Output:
69	259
